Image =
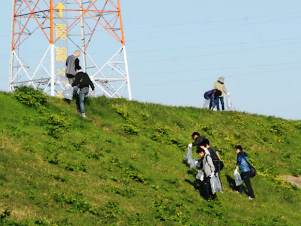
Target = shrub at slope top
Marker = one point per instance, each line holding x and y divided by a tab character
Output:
30	97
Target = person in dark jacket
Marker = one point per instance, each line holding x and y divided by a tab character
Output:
212	96
197	139
83	82
72	66
244	168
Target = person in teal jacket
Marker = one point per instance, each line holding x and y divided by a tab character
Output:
244	169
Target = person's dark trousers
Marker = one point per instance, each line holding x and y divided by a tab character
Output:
207	194
246	178
211	105
76	97
198	185
221	99
216	103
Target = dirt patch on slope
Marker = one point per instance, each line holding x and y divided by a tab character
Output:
296	181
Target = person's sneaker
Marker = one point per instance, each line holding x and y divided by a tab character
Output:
83	115
250	198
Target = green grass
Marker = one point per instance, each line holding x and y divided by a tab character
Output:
123	165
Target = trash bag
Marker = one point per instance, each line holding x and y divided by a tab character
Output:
252	171
237	178
228	101
191	162
68	92
215	184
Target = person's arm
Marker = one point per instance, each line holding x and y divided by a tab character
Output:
192	163
77	80
238	161
91	84
215	85
77	66
211	165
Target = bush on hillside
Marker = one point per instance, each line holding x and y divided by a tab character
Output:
122	110
30	96
57	125
130	129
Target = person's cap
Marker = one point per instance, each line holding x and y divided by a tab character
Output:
221	79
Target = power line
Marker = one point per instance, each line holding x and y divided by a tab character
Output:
244	19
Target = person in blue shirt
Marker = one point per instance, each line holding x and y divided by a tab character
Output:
244	169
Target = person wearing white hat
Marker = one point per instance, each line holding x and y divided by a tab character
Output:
220	85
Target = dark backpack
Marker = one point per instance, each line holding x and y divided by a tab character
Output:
208	94
252	169
217	162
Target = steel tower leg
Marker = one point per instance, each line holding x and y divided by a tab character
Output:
127	73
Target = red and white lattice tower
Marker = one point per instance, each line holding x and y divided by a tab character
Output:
45	32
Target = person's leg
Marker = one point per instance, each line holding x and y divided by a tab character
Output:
240	188
216	103
222	102
211	104
199	186
213	196
75	91
81	98
207	188
246	179
76	96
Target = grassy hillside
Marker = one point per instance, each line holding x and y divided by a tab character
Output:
123	165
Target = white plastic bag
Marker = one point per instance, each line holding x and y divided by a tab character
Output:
229	104
237	178
215	183
188	157
68	92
